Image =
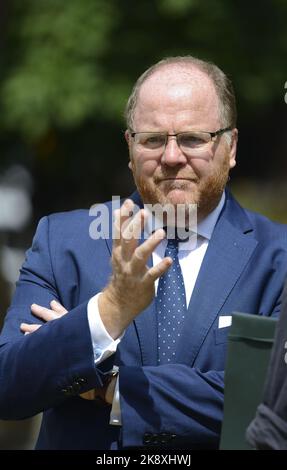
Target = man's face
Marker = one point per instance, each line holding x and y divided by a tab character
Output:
176	100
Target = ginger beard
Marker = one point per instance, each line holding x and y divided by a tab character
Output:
203	191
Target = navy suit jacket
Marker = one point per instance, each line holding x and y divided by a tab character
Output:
176	405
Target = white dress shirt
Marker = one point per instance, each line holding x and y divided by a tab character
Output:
190	254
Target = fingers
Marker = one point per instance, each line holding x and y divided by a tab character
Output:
46	314
127	231
43	312
57	307
126	222
133	227
158	270
57	311
131	234
144	251
121	217
26	328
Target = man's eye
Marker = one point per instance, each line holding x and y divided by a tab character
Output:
191	140
153	141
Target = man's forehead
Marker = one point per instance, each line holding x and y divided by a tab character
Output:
177	90
170	77
174	86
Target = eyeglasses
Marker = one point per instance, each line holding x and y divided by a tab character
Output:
190	142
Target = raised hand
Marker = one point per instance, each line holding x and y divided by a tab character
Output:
131	288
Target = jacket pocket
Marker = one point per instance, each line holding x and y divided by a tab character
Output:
221	334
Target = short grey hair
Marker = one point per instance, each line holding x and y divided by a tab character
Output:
222	84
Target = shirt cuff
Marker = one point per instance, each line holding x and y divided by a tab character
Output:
103	344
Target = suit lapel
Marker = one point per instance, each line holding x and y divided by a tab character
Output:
227	255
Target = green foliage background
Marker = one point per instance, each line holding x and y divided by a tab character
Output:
67	67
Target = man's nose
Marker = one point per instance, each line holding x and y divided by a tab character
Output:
172	155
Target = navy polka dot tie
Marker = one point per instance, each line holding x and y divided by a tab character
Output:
171	306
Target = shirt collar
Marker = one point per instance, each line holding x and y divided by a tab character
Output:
206	226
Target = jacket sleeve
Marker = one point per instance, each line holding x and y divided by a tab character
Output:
171	404
42	369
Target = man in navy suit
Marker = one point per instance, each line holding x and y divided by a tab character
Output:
81	338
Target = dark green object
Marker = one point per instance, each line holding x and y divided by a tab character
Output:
250	342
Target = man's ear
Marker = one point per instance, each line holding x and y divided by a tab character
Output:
127	137
233	148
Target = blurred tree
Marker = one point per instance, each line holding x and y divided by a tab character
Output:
69	61
53	75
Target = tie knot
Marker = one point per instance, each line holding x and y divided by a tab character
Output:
172	243
176	235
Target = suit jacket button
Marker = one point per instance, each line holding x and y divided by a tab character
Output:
77	387
155	439
147	438
81	380
68	391
164	437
